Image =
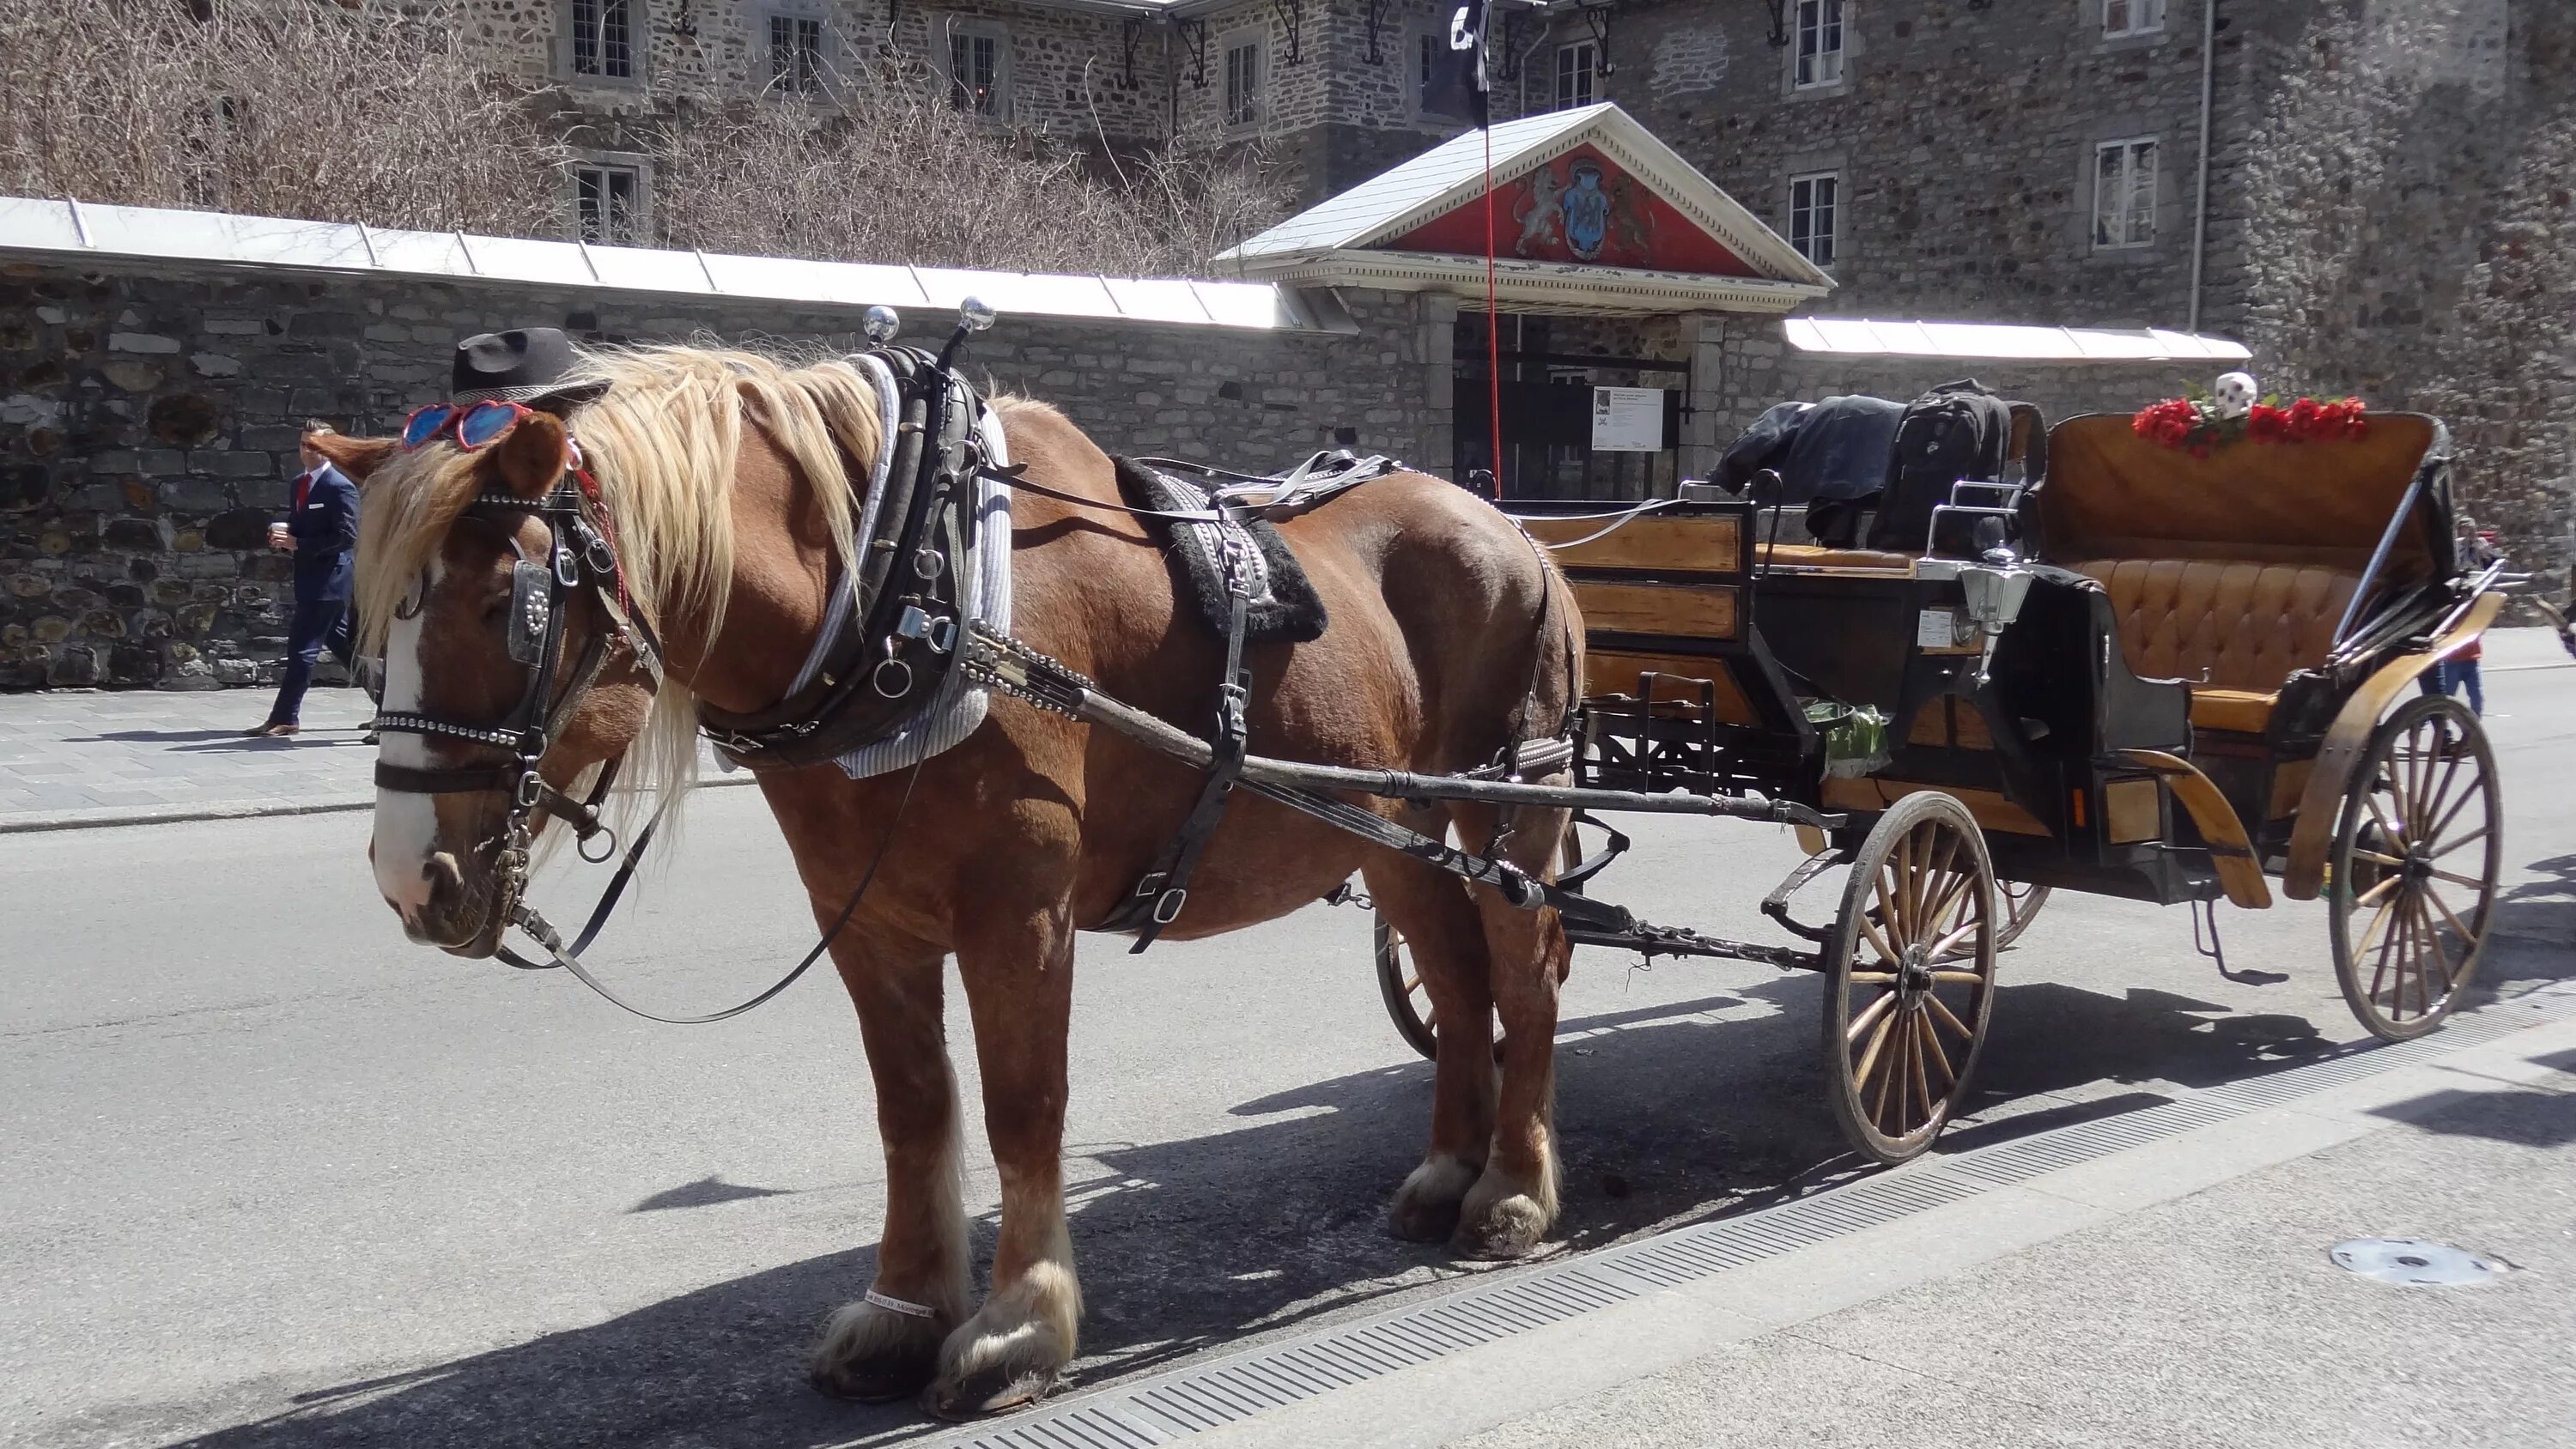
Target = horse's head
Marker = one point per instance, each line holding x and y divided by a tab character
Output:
488	583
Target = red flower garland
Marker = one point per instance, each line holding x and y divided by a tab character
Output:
2193	424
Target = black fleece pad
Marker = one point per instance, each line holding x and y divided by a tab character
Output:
1284	604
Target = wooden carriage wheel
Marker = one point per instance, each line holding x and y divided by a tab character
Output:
2016	902
2414	868
1408	1005
1910	973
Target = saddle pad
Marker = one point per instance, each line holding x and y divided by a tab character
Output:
1284	604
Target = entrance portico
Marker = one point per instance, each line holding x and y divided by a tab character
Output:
1613	264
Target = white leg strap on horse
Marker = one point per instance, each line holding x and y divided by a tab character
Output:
897	1305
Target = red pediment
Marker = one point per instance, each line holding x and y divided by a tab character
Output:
1584	208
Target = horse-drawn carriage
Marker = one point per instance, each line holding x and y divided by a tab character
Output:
2155	674
2178	678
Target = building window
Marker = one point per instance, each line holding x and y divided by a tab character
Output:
1578	75
975	70
2124	194
603	39
607	202
1820	43
2131	17
795	53
1243	82
1815	209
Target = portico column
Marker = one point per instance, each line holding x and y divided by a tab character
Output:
1704	348
1439	382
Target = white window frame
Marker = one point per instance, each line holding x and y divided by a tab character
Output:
2135	217
1576	75
970	31
1832	207
1242	99
639	216
1812	66
796	18
638	19
2128	19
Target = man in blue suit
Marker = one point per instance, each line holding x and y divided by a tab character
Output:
321	528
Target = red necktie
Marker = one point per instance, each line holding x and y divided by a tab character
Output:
303	488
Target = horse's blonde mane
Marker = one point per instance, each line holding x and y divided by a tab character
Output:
663	440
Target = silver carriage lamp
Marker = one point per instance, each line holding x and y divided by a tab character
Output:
880	323
974	314
1994	597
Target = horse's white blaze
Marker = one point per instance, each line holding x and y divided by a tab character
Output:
406	824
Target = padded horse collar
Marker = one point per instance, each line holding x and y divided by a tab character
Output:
891	652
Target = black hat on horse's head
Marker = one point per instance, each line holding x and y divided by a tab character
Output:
525	365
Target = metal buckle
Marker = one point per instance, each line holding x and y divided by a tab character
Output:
567	567
942	636
1168	904
531	786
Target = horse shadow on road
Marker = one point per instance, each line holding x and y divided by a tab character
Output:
1666	1115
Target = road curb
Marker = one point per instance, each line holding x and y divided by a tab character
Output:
114	816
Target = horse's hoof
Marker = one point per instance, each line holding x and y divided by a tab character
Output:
869	1356
1425	1209
995	1371
1513	1227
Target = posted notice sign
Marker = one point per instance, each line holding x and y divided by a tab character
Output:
1627	420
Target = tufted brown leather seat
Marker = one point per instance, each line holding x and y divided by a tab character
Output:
2234	630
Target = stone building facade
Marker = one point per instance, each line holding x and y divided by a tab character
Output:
149	417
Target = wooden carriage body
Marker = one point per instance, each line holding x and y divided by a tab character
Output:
2174	713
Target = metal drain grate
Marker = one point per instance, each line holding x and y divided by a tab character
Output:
1210	1396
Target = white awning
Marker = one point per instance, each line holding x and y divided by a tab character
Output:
1982	341
30	226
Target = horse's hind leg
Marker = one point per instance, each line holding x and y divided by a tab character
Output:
1017	963
1513	1204
873	1352
1447	944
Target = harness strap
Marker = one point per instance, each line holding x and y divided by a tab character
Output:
581	815
527	919
1163	890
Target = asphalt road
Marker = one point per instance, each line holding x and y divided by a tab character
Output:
274	1177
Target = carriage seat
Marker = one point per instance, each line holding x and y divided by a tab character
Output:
2232	629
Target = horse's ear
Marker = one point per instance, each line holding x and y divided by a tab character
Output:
357	457
531	460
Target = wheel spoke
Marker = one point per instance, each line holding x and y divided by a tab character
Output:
2457	879
1932	1047
1887	918
1869	1056
2428	808
1878	943
2438	826
1941	1012
2364	853
1914	1057
1869	1016
1944	949
1886	1076
1962	978
2387	832
2433	949
2379	971
2471	838
2386	884
1873	978
2468	938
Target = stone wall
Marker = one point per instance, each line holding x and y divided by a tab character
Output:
148	425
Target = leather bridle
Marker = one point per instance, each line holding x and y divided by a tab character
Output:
578	556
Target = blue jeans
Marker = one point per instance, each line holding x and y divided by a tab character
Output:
319	623
2451	674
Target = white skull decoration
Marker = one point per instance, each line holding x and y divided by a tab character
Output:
2235	394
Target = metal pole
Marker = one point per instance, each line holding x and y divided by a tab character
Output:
2200	206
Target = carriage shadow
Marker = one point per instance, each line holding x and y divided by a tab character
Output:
1667	1117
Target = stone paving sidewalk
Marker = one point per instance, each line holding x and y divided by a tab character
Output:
72	758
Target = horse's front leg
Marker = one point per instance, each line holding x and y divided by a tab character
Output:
1017	963
886	1345
1514	1202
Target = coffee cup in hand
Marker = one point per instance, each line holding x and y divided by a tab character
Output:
278	537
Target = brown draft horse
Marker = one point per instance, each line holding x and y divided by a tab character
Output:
727	480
